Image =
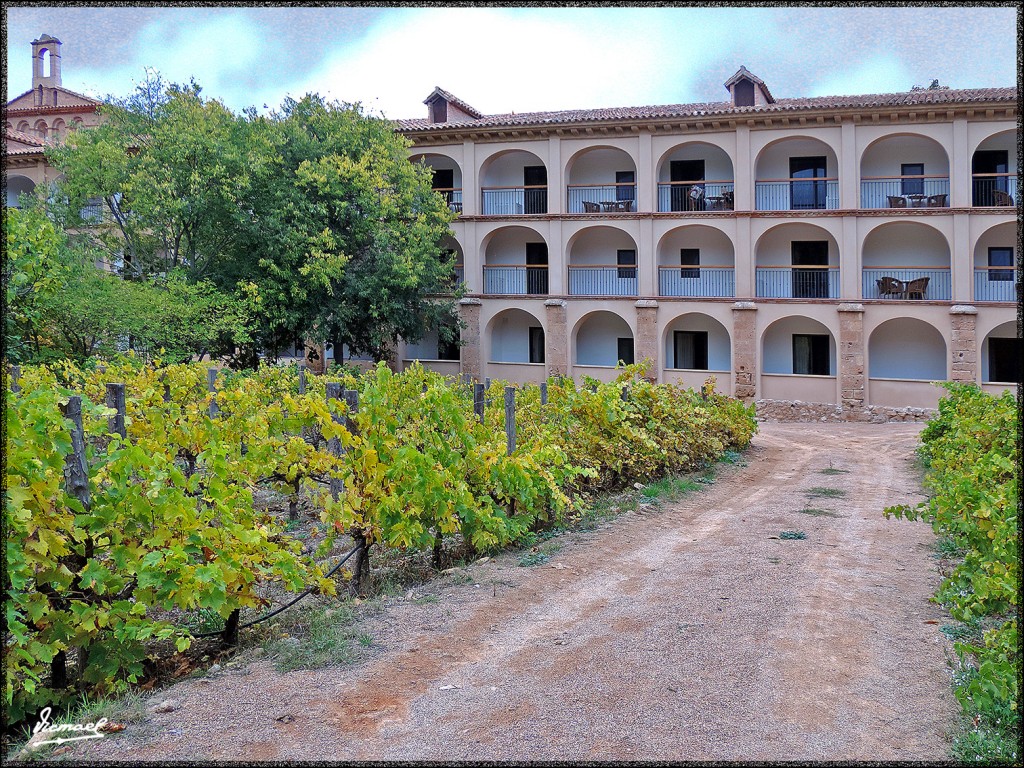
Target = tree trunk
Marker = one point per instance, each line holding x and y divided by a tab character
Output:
229	638
438	550
360	584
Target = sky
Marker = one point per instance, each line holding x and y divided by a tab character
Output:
516	59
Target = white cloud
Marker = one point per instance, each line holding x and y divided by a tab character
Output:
882	73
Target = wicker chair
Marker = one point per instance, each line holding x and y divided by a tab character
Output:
589	207
890	287
916	288
1001	198
728	201
895	201
936	201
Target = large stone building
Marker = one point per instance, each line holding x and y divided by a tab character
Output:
844	250
40	115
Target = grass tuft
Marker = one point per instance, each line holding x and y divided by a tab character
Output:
321	637
825	493
792	535
815	512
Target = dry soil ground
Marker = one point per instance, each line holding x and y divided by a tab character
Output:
689	633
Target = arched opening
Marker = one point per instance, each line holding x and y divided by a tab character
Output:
23	126
601	180
904	171
515	262
514	183
1001	355
695	176
16	187
435	350
446	177
905	355
796	174
40	128
697	346
59	129
797	261
602	339
602	262
46	62
994	171
798	361
696	261
906	260
515	347
995	259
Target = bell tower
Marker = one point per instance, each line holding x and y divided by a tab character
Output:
45	62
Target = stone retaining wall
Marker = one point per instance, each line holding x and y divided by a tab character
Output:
799	411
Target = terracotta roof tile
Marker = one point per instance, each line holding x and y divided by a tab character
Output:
25	138
881	100
453	99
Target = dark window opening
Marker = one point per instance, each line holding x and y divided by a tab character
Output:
810	283
536	345
624	180
439	111
685	197
810	354
535	197
805	195
626	258
743	93
689	258
691	350
1000	257
912	186
1004	360
448	349
537	268
625	350
988	162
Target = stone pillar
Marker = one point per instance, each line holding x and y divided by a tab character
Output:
744	349
852	382
469	313
645	346
963	345
556	339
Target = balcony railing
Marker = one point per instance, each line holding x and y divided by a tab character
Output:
602	281
713	195
907	283
796	194
452	196
904	192
798	282
514	201
600	198
697	281
994	189
995	284
517	280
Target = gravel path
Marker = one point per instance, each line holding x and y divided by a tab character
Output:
691	633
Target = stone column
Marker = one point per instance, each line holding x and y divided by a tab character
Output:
963	345
469	313
744	349
852	390
645	346
556	339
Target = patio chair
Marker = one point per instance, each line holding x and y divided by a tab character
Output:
589	207
890	287
728	201
697	199
936	201
895	201
916	288
1001	198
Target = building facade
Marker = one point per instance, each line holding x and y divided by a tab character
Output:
836	250
45	113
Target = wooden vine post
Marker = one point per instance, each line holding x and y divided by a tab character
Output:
115	400
15	374
543	393
510	419
361	568
478	401
211	386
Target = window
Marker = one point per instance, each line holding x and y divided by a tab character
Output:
447	350
912	186
536	345
1004	360
689	258
439	111
625	181
691	350
743	93
626	259
625	350
810	354
1000	257
803	192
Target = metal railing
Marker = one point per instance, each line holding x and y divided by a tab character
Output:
514	201
602	281
797	282
995	284
994	189
902	287
696	281
904	192
517	280
796	194
452	196
714	195
600	198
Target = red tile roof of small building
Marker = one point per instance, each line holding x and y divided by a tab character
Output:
923	97
453	99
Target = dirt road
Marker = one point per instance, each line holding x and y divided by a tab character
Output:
691	633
